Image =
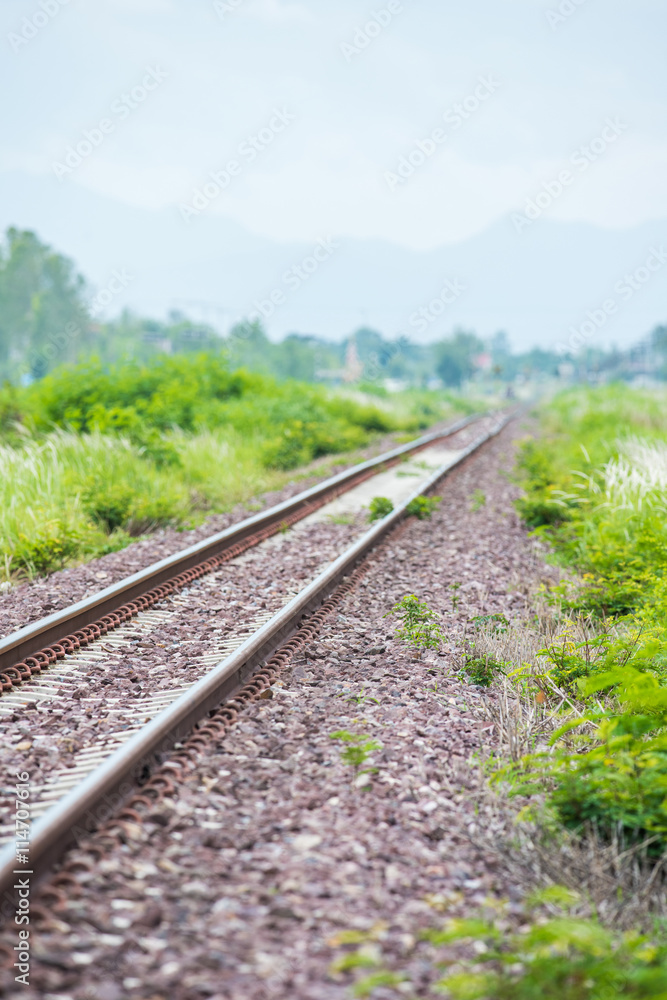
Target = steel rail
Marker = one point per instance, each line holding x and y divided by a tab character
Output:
99	795
45	631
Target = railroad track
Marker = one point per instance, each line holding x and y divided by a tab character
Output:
46	660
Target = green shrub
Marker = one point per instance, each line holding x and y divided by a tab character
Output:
108	504
422	507
379	507
482	670
46	550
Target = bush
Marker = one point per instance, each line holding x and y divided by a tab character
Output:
422	507
378	508
108	504
46	550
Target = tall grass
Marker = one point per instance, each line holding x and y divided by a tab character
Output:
92	458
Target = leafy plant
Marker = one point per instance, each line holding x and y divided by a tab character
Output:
419	626
422	507
358	750
555	958
379	507
482	670
455	587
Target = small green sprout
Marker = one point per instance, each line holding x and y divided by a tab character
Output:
359	748
478	500
455	587
357	699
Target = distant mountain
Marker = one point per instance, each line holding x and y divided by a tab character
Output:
535	285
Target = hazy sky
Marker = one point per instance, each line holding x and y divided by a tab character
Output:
334	110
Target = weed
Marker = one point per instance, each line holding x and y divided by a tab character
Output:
496	624
379	507
478	500
423	507
340	518
419	625
482	670
358	699
358	750
455	587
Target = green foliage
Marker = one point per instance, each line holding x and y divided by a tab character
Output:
357	751
454	357
497	624
43	320
555	954
378	508
46	550
119	450
607	767
422	507
293	423
108	504
598	493
482	670
419	625
558	957
478	500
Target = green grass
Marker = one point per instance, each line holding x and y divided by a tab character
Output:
91	457
595	486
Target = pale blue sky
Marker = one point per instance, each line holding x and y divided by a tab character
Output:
353	119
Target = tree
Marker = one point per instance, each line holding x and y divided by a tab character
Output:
43	319
454	357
